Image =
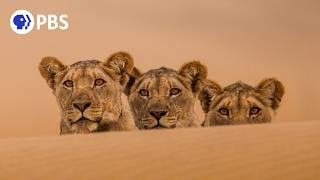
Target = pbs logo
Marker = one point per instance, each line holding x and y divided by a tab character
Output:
22	22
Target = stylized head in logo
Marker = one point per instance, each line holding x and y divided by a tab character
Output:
21	22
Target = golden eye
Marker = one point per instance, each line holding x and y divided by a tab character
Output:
144	92
99	82
224	111
68	83
254	110
174	91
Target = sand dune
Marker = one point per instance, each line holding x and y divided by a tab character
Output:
272	151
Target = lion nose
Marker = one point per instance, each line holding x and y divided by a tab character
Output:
82	106
158	114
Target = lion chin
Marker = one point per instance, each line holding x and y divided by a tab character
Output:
84	125
159	126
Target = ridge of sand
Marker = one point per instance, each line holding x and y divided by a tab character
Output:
271	151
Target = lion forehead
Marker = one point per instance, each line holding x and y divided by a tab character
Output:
86	63
162	78
239	96
84	71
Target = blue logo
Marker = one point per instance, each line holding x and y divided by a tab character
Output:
22	22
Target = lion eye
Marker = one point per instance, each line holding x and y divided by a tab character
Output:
144	92
174	91
254	110
99	82
68	83
224	111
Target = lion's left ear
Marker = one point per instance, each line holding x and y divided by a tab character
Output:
120	64
273	90
133	76
209	91
195	73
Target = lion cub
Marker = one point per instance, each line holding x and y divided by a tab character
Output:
89	93
240	103
165	98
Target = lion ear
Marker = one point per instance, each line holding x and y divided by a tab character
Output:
49	67
195	73
272	89
133	76
120	64
209	91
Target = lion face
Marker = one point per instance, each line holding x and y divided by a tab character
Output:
164	98
88	92
86	96
240	103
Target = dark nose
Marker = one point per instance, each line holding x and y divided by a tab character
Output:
82	106
158	114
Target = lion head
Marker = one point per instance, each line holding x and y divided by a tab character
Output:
165	98
89	93
240	103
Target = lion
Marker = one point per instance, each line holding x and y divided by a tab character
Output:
90	93
240	103
165	98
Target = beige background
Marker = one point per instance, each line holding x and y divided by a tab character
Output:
238	40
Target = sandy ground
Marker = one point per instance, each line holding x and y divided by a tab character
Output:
271	151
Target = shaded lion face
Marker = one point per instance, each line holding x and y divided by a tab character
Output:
88	92
164	98
240	103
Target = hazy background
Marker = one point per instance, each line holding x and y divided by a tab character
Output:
246	40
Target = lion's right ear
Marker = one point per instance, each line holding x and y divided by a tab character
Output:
194	72
209	91
49	67
272	89
133	76
121	65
